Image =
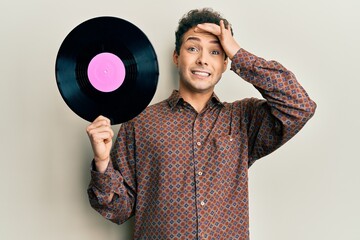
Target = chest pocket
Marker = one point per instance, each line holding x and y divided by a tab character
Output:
225	145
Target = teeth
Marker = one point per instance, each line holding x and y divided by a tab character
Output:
203	74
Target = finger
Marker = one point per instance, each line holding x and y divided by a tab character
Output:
102	137
225	30
222	26
97	134
208	27
229	27
99	122
99	130
102	118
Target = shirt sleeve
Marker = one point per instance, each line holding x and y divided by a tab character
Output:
117	179
285	110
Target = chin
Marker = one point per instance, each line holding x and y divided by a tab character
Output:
203	89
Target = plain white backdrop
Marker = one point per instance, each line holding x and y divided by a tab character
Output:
308	189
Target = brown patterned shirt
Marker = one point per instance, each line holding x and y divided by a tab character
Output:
185	174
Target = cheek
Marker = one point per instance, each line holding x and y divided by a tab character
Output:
222	67
182	63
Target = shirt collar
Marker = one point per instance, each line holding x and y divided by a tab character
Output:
175	99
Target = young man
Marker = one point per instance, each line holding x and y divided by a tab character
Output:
181	166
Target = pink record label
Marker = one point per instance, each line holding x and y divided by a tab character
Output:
106	72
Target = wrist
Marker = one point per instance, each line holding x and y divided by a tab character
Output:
233	51
101	165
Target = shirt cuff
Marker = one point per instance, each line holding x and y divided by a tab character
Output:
102	181
242	60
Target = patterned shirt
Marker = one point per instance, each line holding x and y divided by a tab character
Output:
184	174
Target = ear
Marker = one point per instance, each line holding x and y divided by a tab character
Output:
175	58
225	64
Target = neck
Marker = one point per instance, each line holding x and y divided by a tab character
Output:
197	100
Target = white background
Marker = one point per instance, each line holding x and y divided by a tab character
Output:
308	189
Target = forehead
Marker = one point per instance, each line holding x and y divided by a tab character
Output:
204	37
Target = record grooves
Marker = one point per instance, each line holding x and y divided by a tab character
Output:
94	57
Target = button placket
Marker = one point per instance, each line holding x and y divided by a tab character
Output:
199	144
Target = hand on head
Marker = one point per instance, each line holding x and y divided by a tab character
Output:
224	35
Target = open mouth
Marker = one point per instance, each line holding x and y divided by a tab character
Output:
201	73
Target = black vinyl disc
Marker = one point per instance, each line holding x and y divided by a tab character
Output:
107	66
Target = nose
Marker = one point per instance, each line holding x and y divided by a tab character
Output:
202	59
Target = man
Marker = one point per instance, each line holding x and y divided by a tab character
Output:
181	166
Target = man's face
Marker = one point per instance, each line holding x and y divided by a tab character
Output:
201	62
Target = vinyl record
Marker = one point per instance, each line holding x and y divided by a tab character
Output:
107	66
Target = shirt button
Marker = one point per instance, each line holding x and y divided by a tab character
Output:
238	70
202	203
198	143
231	139
200	173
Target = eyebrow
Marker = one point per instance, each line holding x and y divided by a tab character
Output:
191	38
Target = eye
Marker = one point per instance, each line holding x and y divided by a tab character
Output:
215	52
193	49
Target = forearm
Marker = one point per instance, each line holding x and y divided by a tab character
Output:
288	100
109	196
285	110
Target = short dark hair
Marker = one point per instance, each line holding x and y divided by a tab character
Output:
193	18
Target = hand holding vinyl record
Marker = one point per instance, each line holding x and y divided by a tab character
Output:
107	66
100	135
